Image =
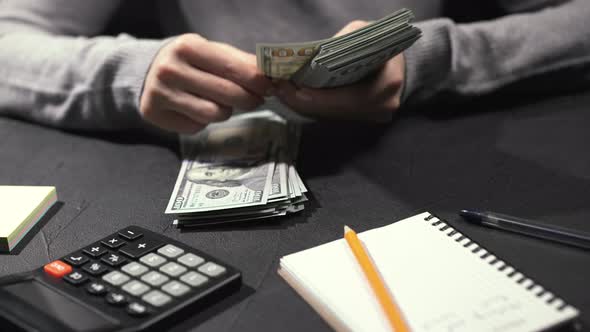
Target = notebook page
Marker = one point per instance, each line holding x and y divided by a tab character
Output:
438	283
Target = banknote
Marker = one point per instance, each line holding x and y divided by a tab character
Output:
279	186
241	169
281	61
340	60
244	139
205	187
344	71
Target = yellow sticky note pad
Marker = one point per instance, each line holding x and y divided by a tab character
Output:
21	207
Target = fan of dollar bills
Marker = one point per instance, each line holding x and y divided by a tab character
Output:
237	170
340	60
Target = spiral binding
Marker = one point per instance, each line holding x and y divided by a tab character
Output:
545	295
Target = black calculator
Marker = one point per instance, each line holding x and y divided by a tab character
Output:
133	280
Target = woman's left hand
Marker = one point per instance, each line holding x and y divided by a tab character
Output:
374	99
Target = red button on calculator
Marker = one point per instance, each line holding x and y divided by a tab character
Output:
57	269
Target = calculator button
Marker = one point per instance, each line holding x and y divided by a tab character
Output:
96	288
194	279
114	260
135	288
57	269
76	278
141	247
95	269
170	251
156	298
175	288
130	234
115	278
95	250
154	278
137	309
173	269
76	259
116	298
113	242
191	260
211	269
134	269
153	260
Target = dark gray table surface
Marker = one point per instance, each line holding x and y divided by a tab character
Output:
530	159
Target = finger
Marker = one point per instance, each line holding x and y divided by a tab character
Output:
287	93
173	121
387	86
248	58
198	109
212	87
323	102
246	72
227	62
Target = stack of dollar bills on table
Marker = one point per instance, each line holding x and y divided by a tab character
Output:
340	60
241	169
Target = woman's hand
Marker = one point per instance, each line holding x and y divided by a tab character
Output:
193	82
375	98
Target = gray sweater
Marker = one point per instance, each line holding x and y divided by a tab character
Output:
56	68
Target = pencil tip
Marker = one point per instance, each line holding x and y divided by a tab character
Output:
347	229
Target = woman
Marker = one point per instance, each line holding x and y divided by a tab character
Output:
57	70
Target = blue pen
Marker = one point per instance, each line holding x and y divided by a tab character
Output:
528	227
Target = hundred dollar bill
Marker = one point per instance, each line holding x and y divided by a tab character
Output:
243	140
206	187
248	136
227	165
279	186
240	169
341	60
348	71
281	61
296	189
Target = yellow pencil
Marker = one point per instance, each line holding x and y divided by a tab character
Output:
391	310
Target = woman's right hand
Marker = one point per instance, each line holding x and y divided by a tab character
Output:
193	82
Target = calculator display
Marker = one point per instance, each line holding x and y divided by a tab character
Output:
61	309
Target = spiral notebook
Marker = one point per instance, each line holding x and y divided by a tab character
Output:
441	280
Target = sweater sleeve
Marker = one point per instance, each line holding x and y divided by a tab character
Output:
467	60
57	72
